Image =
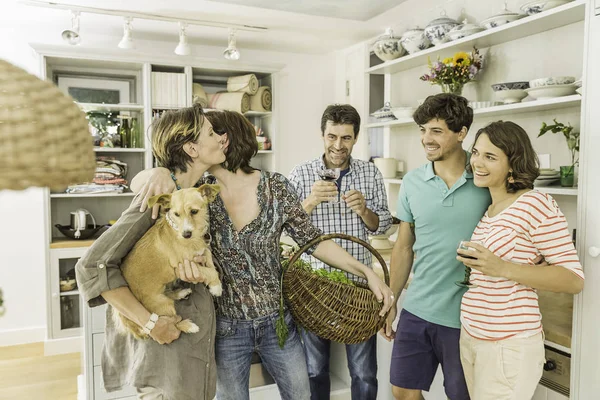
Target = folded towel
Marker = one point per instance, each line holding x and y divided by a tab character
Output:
261	101
199	95
238	101
245	83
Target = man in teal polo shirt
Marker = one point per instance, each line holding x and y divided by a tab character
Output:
439	206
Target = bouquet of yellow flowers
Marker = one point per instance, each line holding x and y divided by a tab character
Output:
453	72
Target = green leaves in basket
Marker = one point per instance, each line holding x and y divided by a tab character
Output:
281	328
335	276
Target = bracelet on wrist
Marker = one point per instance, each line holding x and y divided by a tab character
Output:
150	324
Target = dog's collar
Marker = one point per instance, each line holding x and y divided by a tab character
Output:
171	222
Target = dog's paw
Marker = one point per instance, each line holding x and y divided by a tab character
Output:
187	326
216	290
183	293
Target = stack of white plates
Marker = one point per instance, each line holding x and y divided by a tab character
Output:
548	176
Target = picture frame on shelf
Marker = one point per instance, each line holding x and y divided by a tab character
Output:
96	90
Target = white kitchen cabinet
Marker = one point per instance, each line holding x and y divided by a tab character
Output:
64	306
94	319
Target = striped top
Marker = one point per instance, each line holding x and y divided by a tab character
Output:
498	308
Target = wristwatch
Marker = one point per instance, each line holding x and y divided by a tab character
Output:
150	324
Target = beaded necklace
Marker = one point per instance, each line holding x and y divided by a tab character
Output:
177	184
175	180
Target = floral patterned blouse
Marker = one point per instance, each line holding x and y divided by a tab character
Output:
250	258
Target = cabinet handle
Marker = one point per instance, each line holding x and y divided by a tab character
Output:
550	365
594	251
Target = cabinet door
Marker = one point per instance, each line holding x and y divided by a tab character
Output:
64	318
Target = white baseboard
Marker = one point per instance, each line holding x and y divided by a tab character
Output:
63	346
14	337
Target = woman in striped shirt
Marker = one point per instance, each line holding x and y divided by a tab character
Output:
501	344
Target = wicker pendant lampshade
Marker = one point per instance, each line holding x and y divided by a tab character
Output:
44	136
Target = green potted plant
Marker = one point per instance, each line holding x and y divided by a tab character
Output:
567	173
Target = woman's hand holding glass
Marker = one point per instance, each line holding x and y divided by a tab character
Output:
482	260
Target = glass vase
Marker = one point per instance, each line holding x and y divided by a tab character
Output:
567	175
454	88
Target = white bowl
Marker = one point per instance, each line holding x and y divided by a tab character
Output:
579	91
403	112
547	92
543	182
511	96
551	80
499	20
537	6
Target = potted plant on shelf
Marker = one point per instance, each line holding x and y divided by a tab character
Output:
567	173
453	73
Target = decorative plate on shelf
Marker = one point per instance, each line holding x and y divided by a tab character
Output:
548	92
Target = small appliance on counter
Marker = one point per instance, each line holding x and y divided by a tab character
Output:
80	227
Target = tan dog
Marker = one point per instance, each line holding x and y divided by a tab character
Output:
179	234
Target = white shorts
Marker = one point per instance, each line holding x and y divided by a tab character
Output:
508	369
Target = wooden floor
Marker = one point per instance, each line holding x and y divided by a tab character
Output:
26	374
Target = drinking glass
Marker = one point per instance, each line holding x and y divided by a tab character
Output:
331	175
466	281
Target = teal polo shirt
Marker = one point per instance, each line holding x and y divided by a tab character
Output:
443	217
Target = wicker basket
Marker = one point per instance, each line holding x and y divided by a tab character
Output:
333	310
44	136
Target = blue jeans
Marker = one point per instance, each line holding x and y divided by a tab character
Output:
362	363
237	340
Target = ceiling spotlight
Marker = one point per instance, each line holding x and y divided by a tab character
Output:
183	48
231	52
127	41
71	36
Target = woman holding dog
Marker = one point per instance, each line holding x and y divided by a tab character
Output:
170	366
247	219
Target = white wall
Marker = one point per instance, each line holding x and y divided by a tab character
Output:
306	87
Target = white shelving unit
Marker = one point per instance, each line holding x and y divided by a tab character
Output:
110	107
135	99
531	25
508	109
117	150
390	82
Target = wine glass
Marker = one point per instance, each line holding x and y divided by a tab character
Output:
330	175
466	281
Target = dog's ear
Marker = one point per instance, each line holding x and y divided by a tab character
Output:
163	199
209	191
